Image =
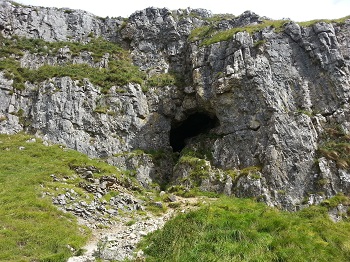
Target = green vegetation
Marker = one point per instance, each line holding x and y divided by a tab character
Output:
97	46
201	151
124	24
192	192
197	162
307	112
338	199
242	230
220	17
259	43
31	228
120	70
335	145
199	169
336	21
200	33
102	109
68	11
166	79
209	35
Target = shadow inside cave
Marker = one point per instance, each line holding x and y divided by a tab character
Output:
192	126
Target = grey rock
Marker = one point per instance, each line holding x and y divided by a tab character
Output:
53	24
172	198
158	204
273	95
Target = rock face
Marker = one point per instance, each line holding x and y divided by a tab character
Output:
276	101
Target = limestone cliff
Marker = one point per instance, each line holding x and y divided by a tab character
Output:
253	107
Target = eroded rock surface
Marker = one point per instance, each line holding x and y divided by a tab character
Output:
276	95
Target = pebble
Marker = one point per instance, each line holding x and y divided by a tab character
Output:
32	140
172	198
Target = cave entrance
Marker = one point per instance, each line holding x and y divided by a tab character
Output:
194	125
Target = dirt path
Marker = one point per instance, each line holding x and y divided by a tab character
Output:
118	242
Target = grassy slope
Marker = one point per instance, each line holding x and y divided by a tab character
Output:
31	228
243	230
209	35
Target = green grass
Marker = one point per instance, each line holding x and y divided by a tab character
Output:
31	227
335	145
209	35
312	22
97	46
120	70
242	230
198	171
220	17
164	79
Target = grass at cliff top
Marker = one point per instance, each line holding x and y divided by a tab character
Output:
243	230
31	228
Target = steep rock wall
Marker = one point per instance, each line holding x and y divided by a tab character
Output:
276	95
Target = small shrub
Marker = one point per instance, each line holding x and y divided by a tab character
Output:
250	170
232	173
259	43
305	112
124	24
68	11
335	145
322	182
161	80
101	109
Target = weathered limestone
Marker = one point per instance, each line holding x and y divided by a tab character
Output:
273	93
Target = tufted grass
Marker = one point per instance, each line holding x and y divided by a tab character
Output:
119	72
335	146
209	35
339	21
120	69
31	227
232	229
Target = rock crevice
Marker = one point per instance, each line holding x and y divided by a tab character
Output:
271	97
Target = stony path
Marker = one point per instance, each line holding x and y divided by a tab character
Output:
119	241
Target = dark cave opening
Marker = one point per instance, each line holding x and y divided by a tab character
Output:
194	125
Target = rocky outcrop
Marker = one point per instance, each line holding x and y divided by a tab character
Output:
53	24
273	94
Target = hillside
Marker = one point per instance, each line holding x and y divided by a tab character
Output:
182	102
